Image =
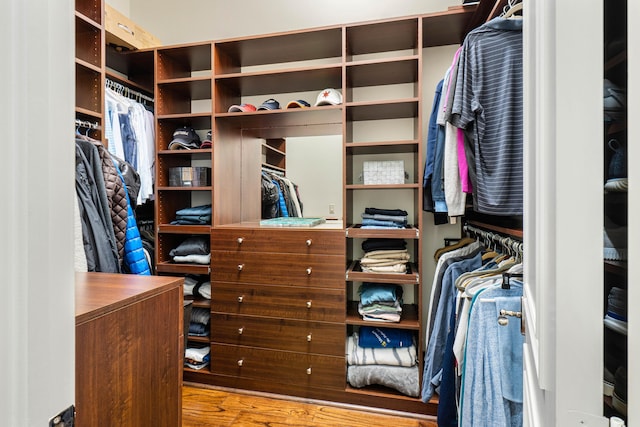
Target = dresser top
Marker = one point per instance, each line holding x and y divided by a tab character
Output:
100	293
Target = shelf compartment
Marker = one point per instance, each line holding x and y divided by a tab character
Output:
171	202
386	36
408	319
355	274
134	65
182	61
88	42
167	124
169	267
357	232
232	56
274	154
380	110
176	97
90	10
89	89
325	120
281	81
382	147
167	162
450	27
386	72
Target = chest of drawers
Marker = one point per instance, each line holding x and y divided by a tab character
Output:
278	307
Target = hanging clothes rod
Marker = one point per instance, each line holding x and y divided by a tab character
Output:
127	91
84	124
489	238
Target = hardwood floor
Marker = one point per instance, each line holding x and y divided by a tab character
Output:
207	407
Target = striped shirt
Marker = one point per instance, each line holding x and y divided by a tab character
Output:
488	105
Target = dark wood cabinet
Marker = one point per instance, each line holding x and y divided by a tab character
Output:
129	346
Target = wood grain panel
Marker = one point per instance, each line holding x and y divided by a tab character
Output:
208	407
326	305
128	364
325	271
279	334
279	366
307	241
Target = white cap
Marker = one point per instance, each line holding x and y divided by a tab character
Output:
329	97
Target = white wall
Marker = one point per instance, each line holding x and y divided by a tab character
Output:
197	20
122	6
37	316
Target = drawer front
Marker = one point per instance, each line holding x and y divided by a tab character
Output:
279	366
318	242
279	334
325	271
325	305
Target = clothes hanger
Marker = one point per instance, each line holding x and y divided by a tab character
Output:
513	9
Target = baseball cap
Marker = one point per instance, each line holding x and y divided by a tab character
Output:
207	141
329	97
298	103
184	138
269	104
242	108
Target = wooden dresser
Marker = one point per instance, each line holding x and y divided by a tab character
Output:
278	303
129	346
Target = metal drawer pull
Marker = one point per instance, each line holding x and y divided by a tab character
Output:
240	240
309	271
240	330
240	267
309	338
308	304
309	242
240	299
240	362
308	371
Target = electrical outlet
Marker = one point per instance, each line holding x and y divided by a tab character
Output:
332	208
65	418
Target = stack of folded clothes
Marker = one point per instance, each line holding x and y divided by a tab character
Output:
197	215
384	256
199	322
193	250
384	218
383	356
197	357
380	302
197	286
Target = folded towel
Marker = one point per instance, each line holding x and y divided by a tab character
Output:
396	268
371	293
193	259
402	356
400	378
200	315
379	337
197	354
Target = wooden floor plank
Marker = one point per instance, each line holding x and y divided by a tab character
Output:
209	407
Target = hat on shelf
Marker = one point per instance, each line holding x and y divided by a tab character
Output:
269	104
329	97
242	108
298	103
207	141
184	138
615	241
